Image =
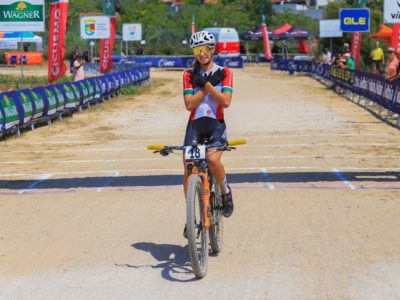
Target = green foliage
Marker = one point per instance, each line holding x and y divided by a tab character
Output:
164	28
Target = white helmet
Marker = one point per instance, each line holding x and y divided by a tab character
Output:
201	38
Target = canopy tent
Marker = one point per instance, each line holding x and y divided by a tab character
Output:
385	32
254	34
285	32
27	37
284	28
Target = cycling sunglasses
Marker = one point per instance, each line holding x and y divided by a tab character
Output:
205	49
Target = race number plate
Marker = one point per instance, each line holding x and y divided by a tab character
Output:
198	152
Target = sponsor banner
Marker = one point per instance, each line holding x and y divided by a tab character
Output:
264	30
106	47
132	32
391	11
9	112
38	104
178	61
356	38
58	26
70	98
367	85
354	19
23	104
95	27
8	45
22	16
330	28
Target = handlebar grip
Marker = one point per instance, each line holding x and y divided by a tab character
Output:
155	147
236	142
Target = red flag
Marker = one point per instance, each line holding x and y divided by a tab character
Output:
356	39
58	26
396	36
264	31
106	47
193	24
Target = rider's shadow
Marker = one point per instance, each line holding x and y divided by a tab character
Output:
174	261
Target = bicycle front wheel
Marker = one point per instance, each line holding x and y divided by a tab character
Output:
217	226
196	233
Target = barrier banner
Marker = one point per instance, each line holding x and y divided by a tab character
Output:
106	47
70	96
356	38
58	26
9	112
38	104
396	36
264	31
23	104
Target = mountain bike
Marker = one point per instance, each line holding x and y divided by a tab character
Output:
204	204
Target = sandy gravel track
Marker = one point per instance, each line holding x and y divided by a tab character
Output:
88	213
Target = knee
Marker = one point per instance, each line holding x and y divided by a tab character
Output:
213	162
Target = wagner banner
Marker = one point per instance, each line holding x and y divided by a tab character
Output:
106	48
22	16
58	26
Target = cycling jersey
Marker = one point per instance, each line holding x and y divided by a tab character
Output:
208	106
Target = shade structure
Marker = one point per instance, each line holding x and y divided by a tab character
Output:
285	32
385	32
27	37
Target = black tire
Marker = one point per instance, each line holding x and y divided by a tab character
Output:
198	247
217	226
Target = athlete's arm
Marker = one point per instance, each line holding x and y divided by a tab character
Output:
223	99
192	101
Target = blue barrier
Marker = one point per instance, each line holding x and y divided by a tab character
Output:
28	106
370	86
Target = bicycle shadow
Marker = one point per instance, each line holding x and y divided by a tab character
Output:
174	261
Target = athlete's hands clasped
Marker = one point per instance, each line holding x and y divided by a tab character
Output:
198	80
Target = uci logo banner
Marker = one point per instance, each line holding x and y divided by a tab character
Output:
354	19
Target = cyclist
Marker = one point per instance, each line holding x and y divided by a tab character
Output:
207	91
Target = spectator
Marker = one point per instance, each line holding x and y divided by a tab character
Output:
392	70
285	50
72	59
26	49
87	56
327	56
78	68
346	48
378	59
348	64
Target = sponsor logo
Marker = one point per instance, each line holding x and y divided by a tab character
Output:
21	12
7	100
55	68
354	20
106	56
166	63
90	27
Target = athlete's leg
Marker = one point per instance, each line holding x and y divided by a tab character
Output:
217	169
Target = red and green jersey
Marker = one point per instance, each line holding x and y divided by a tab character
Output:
208	106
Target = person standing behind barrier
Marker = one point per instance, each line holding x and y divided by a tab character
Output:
393	69
348	63
72	59
378	59
78	68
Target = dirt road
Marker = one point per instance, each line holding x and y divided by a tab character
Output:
88	213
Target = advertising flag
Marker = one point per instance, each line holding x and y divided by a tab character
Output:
106	48
356	39
264	31
193	24
58	26
396	36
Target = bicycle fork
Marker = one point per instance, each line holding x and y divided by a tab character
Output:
206	200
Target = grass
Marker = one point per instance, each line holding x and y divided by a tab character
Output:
10	82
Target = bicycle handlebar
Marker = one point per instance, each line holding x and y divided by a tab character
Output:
215	145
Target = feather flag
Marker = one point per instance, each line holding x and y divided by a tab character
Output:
58	26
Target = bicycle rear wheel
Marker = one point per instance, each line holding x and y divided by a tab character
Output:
196	233
217	226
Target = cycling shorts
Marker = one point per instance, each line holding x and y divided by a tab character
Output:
205	130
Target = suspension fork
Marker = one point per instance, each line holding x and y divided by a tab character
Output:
206	199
